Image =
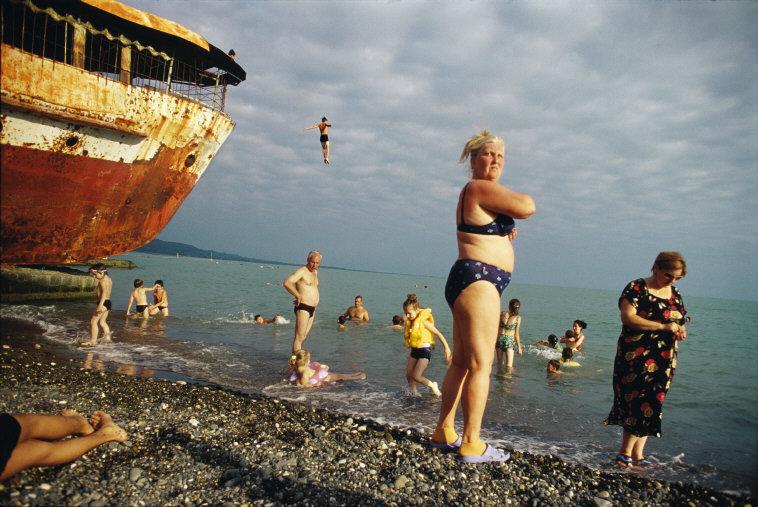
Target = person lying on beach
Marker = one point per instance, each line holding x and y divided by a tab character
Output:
29	440
323	128
307	373
357	312
100	317
419	337
161	299
139	297
554	367
303	284
551	341
576	341
567	358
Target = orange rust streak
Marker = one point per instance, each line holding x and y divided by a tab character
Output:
149	20
60	208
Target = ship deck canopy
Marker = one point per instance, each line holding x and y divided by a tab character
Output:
149	29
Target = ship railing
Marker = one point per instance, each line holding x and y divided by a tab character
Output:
63	38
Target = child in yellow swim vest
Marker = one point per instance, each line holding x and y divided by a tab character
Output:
419	332
567	358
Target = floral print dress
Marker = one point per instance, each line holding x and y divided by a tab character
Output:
645	362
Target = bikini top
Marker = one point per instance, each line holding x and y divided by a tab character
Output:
502	225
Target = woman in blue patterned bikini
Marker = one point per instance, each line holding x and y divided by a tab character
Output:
473	290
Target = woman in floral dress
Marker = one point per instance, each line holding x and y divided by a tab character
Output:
652	314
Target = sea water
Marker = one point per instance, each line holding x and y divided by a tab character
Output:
709	426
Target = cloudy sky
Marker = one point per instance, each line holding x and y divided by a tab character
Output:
634	125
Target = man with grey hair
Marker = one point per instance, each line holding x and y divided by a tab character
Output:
303	285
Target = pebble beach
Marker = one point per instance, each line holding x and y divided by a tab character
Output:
196	444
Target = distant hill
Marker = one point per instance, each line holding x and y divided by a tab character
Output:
161	247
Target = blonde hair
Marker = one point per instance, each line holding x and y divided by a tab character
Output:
299	359
475	142
411	301
670	260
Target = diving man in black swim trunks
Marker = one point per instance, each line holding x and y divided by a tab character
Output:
303	285
323	127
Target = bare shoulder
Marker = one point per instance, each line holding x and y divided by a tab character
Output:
298	273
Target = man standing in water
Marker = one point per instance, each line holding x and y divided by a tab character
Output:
99	318
303	285
357	312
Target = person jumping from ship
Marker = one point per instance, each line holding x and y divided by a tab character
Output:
323	127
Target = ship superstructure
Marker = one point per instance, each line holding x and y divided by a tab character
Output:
110	115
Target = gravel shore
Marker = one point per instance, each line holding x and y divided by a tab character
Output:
193	444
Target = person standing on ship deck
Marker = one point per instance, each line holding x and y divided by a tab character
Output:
303	285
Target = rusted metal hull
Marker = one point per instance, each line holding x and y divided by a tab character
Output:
92	167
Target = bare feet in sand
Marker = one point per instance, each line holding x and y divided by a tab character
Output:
88	343
104	425
85	427
435	388
107	338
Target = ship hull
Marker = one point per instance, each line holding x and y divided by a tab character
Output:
92	167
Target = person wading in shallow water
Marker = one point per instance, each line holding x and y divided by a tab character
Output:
653	323
303	285
100	317
357	312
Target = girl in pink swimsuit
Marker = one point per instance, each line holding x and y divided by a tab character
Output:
307	373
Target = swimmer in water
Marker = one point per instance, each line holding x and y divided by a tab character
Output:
567	358
551	341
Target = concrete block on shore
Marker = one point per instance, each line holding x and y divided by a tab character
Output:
44	283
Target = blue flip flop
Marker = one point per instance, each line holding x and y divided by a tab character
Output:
623	459
448	447
642	462
490	455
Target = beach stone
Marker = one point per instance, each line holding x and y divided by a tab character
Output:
401	482
601	502
604	494
135	473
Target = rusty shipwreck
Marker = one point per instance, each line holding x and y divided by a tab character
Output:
110	115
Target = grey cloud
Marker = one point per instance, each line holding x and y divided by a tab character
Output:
632	124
